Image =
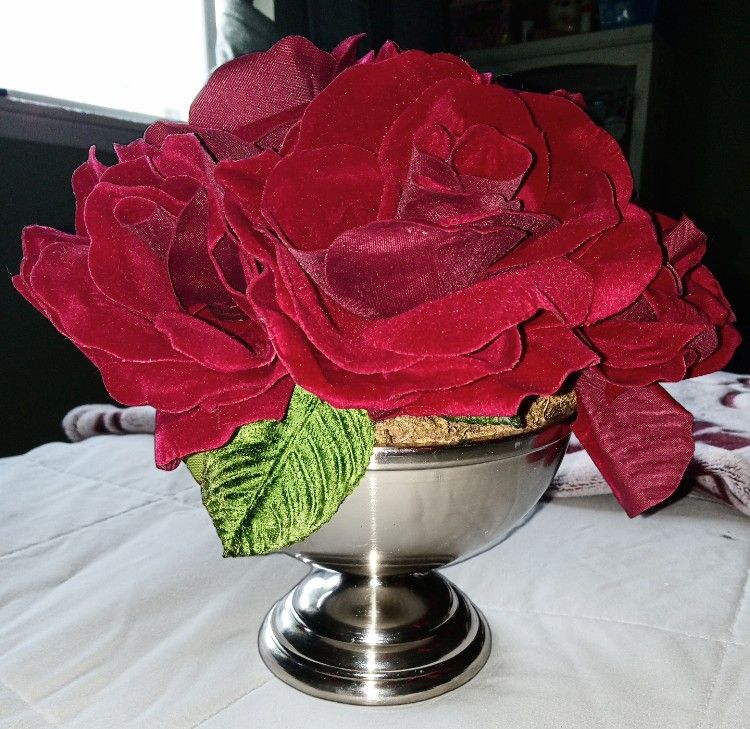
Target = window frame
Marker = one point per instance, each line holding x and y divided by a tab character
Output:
60	122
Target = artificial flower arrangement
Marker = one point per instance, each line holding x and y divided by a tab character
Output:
333	242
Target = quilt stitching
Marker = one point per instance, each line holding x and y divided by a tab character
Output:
48	719
719	672
598	618
230	703
97	480
14	552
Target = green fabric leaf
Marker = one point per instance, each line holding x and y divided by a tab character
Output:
514	421
276	482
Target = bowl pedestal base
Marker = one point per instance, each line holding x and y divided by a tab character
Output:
391	639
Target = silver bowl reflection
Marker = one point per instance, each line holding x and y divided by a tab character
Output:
372	622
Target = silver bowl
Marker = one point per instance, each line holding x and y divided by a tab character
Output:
372	623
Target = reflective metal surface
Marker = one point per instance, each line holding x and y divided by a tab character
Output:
371	623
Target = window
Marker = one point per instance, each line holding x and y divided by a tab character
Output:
148	57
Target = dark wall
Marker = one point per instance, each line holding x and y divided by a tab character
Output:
43	374
707	174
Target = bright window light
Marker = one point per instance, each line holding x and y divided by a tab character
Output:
144	56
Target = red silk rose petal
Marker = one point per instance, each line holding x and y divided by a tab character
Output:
360	105
729	340
262	84
84	179
386	268
149	221
191	268
458	105
221	144
576	143
182	434
622	262
686	245
118	258
314	195
639	438
204	343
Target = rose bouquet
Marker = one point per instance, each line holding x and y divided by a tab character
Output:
329	243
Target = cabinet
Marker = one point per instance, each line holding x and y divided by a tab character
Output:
628	66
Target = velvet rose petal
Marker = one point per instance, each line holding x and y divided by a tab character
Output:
204	343
262	84
551	355
640	344
359	105
639	438
483	151
622	262
341	387
314	195
685	244
329	328
178	386
60	279
586	209
578	144
84	180
345	53
181	434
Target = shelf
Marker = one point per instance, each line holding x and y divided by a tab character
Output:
564	45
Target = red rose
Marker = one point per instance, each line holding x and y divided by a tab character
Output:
681	326
150	288
435	240
136	291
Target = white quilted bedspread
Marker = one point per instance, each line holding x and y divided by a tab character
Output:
117	610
